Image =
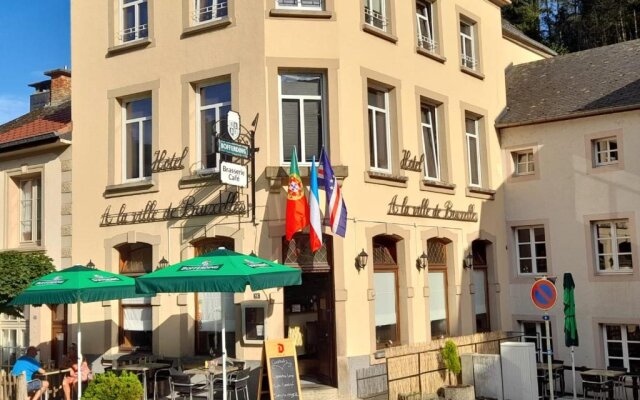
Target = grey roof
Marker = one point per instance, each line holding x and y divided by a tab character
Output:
595	81
514	33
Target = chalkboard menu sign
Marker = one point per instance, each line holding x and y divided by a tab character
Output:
282	369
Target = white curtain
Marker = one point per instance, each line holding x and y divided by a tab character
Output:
137	319
210	307
437	296
481	292
385	287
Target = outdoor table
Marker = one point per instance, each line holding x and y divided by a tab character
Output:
210	373
605	373
46	376
144	368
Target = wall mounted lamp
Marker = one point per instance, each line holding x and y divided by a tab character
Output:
253	254
422	262
468	260
90	264
361	260
163	263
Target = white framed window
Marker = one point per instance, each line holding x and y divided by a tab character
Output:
379	130
523	162
209	10
213	104
605	151
430	143
531	249
468	45
137	139
135	20
535	332
375	14
473	151
426	33
612	244
300	4
622	346
302	112
30	210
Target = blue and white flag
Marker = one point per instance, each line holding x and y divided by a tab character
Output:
336	210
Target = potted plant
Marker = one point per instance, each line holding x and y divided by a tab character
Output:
451	360
109	386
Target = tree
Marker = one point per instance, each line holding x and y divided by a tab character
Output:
17	271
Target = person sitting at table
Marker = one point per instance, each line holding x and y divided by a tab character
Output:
28	365
71	362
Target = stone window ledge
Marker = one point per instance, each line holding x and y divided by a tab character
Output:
380	33
316	14
386	179
277	175
429	54
129	188
195	181
437	186
472	72
128	46
480	193
205	27
28	248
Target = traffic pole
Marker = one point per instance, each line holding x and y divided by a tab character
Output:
549	353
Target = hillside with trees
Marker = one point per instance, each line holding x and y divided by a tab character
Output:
573	25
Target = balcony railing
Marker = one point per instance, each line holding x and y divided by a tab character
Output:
469	62
211	13
134	33
300	4
427	43
376	19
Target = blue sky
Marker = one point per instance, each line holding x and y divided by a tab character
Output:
34	37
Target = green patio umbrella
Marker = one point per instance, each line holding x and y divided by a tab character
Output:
570	327
221	270
78	284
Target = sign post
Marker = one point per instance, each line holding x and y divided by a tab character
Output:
544	296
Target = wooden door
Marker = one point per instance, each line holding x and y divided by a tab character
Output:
58	333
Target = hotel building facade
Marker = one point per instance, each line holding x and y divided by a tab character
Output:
403	97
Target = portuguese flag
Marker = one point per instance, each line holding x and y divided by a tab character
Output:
297	206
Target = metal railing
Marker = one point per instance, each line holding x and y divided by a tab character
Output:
469	62
313	4
134	33
427	43
9	355
211	13
376	19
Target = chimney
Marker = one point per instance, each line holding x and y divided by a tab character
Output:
60	85
53	91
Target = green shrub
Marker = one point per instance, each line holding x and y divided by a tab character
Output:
109	386
451	359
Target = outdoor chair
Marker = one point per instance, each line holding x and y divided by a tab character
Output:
558	377
161	385
598	387
619	384
543	384
237	382
182	385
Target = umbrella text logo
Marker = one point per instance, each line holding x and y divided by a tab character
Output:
256	264
101	279
205	266
57	280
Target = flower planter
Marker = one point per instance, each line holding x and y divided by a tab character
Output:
461	392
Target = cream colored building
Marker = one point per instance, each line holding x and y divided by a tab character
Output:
35	208
372	81
569	141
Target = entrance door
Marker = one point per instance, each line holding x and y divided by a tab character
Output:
58	333
309	321
480	282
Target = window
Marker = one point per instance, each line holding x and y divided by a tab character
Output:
523	162
137	141
30	210
375	14
531	250
214	102
467	45
424	14
300	4
430	143
253	321
209	10
385	280
612	245
135	20
473	151
209	309
438	303
605	151
302	115
136	329
535	332
379	133
622	346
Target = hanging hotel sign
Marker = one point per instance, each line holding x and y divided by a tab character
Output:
233	149
161	162
233	125
411	164
228	203
233	174
425	210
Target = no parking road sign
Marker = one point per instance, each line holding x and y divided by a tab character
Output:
544	294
